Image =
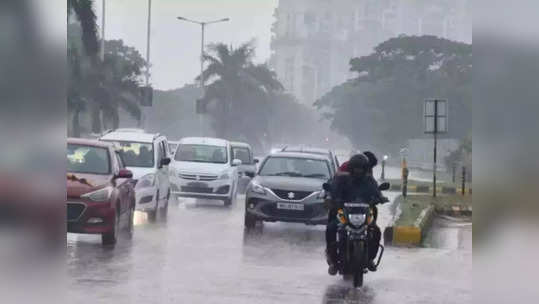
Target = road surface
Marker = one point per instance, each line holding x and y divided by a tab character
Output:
201	255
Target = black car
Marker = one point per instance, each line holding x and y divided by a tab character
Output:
288	188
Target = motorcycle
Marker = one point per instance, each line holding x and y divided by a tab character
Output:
353	236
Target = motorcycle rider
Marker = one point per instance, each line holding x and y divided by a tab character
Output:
356	183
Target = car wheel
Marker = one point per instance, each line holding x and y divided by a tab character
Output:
152	215
130	222
111	237
250	221
164	210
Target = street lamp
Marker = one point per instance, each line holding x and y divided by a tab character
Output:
203	26
383	177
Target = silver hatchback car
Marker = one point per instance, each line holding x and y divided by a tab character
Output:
288	188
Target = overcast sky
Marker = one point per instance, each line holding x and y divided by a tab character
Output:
175	45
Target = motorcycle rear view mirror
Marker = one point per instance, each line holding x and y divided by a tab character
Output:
384	186
326	187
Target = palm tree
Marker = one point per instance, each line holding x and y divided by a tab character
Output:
84	11
95	86
242	91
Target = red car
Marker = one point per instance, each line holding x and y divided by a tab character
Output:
100	193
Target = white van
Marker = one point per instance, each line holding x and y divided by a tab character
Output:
147	156
204	168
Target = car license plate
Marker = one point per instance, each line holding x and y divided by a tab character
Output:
198	185
289	206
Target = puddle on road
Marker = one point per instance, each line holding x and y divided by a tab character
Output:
450	233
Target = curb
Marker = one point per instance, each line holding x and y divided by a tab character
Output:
427	189
410	235
455	210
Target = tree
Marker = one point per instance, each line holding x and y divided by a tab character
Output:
382	107
239	92
84	11
102	88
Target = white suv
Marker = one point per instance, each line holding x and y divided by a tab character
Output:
147	156
204	168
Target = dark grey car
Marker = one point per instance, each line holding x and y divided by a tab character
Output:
288	188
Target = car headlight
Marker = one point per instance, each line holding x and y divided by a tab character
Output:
101	195
224	175
357	219
257	188
146	181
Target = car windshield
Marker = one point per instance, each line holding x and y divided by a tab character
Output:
136	154
242	154
296	167
201	154
87	159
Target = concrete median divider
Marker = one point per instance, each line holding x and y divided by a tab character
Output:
410	235
416	212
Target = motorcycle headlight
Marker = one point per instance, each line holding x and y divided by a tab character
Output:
146	181
257	188
224	175
357	219
101	195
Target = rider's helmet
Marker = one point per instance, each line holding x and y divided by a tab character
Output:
373	161
358	164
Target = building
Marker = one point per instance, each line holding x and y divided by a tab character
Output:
314	40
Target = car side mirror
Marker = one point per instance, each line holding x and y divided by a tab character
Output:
124	173
256	160
384	186
236	162
165	161
250	174
326	187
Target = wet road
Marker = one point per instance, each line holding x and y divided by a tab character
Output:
201	255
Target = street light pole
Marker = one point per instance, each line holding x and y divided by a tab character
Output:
102	53
383	177
144	112
203	27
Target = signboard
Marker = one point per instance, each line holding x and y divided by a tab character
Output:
435	110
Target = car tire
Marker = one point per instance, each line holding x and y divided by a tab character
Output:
249	221
232	198
110	238
164	210
130	223
152	215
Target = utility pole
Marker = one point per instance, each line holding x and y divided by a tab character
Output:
148	42
435	148
435	113
102	51
144	110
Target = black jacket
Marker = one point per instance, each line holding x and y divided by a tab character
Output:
346	188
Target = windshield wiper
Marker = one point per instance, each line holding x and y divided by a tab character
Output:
293	174
316	175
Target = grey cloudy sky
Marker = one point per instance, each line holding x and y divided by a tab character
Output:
175	45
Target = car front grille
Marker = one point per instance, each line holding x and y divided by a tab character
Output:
196	189
291	195
200	177
74	211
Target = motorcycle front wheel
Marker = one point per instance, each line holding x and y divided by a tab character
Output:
358	256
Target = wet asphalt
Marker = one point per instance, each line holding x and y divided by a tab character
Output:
201	254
